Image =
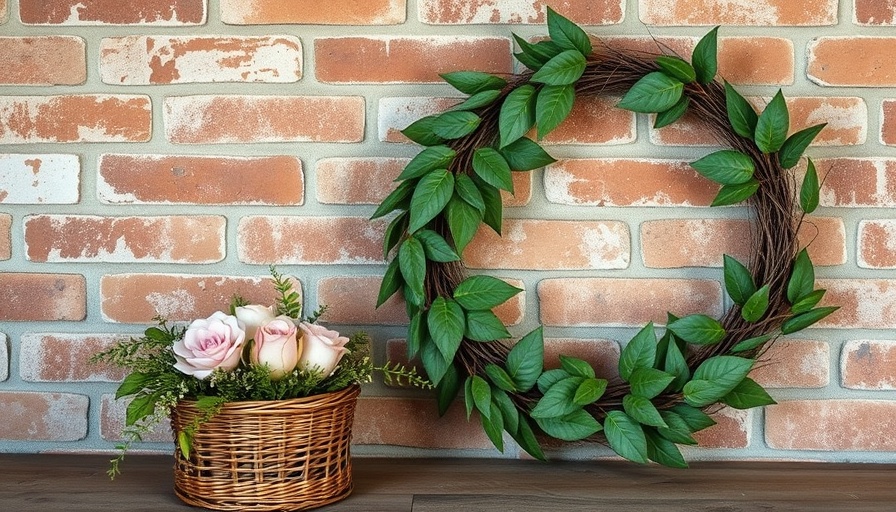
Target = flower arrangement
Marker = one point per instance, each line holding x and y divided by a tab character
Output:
251	353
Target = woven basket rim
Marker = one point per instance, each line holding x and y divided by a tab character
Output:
346	392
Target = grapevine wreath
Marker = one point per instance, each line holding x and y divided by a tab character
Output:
667	382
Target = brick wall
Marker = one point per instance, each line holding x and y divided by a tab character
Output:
157	155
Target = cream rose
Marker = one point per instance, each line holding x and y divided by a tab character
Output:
254	316
276	346
323	348
208	344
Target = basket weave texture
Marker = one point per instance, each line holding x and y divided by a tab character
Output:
274	455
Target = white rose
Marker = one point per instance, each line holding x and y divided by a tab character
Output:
254	316
323	348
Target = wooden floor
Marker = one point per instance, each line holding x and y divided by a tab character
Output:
71	483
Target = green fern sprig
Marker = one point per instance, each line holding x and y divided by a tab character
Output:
290	302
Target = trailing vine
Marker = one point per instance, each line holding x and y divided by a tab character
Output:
667	379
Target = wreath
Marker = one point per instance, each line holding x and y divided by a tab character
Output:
667	380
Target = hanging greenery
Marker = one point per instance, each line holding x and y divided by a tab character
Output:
667	378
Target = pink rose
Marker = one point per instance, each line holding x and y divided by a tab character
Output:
209	344
323	348
276	346
254	316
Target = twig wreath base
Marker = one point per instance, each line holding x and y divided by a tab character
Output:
666	382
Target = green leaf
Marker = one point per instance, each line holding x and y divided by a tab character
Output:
463	222
589	391
649	382
417	332
698	329
491	167
803	320
397	199
808	302
430	197
773	124
725	371
654	92
677	68
483	325
558	399
517	114
525	437
564	68
430	159
677	366
809	191
468	191
674	113
140	407
392	282
500	377
662	451
482	395
469	405
567	34
534	56
793	147
524	154
525	361
156	334
642	410
551	377
738	281
695	419
741	114
448	388
802	277
435	247
394	232
751	343
478	100
756	305
185	443
135	382
748	394
412	263
457	124
640	352
446	326
700	393
433	362
420	131
574	426
625	436
472	82
507	409
494	426
494	205
552	107
576	367
676	430
704	57
728	167
483	292
733	194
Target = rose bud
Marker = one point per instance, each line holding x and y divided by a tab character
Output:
323	348
276	346
254	316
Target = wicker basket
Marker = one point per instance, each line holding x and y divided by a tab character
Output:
277	455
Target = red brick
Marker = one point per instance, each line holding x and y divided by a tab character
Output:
852	61
39	179
144	60
732	430
603	355
310	240
112	416
113	12
138	298
174	239
461	12
66	357
624	302
183	179
874	12
309	12
831	425
877	243
231	119
4	358
868	364
846	118
415	422
794	364
44	60
702	242
594	121
626	182
75	118
31	416
390	59
857	182
5	236
36	297
726	12
551	245
351	300
357	180
888	123
864	303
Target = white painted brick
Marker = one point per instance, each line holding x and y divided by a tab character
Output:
39	178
